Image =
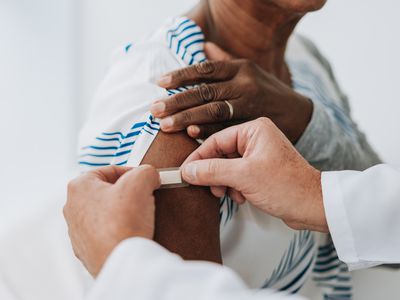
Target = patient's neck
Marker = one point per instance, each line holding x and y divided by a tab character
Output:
255	30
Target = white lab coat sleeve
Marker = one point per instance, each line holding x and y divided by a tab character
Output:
363	214
142	269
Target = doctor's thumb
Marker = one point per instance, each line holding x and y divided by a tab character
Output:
212	172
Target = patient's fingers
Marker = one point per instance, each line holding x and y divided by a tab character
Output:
200	95
209	71
214	112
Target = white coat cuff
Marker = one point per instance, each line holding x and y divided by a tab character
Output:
338	221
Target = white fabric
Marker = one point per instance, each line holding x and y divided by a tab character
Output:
141	269
363	213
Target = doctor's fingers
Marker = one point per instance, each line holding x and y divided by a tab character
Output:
209	71
197	96
215	172
220	145
108	174
141	179
234	141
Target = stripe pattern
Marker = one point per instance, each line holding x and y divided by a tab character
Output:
296	264
331	275
115	147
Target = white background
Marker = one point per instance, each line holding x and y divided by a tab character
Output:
54	52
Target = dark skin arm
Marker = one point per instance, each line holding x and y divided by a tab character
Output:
187	219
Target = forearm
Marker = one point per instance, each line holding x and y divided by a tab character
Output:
333	142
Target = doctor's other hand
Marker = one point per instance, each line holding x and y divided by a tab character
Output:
229	91
255	162
105	207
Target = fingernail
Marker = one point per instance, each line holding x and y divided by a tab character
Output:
166	123
194	130
164	80
189	172
157	108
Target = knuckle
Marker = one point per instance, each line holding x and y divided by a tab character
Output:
264	122
72	185
178	75
148	170
186	117
218	111
205	68
178	100
206	92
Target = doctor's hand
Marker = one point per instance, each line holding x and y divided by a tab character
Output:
255	162
229	91
107	206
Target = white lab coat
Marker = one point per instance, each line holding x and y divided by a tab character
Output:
363	213
143	270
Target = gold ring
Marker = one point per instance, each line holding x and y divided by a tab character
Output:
230	109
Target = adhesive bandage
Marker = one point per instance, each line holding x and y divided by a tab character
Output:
171	178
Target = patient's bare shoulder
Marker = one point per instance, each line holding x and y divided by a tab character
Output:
187	219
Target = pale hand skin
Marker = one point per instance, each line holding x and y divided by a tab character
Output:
107	206
258	164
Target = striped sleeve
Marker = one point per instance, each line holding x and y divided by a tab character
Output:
120	128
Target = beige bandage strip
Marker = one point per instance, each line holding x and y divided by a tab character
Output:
171	178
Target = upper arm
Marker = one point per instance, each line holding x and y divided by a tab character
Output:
187	219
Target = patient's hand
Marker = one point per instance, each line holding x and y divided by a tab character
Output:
250	91
187	219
